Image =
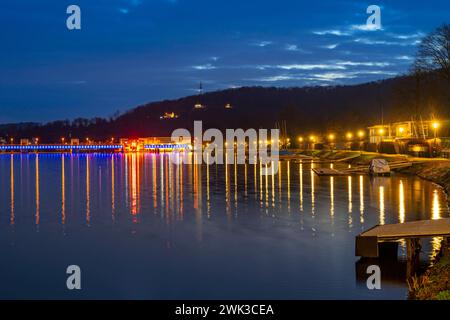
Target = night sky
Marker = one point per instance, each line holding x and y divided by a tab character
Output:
130	52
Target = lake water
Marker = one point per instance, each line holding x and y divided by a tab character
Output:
141	227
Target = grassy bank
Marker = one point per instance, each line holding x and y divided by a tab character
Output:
434	284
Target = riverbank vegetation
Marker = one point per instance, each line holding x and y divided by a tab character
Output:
434	284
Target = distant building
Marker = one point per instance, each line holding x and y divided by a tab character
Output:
407	130
199	106
169	115
420	138
156	143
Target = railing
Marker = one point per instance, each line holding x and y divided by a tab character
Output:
60	147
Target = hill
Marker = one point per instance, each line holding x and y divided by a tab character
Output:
305	109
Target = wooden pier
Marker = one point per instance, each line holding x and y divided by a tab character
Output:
375	242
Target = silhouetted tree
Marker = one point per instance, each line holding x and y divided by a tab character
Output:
434	52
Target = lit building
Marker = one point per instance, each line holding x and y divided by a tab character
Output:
169	115
155	144
409	130
420	138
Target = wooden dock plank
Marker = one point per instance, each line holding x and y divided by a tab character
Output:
328	172
414	229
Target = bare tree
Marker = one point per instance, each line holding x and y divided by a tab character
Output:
434	52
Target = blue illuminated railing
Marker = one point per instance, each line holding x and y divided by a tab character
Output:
166	146
60	147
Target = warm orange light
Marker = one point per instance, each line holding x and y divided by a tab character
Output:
300	139
401	129
360	133
331	136
349	135
312	138
381	131
435	125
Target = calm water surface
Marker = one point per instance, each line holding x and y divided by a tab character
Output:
140	227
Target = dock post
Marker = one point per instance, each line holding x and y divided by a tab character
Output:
413	248
446	246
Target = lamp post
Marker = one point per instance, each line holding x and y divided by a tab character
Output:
349	138
312	139
435	128
331	139
300	142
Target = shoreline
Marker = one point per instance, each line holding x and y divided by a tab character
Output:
433	170
434	282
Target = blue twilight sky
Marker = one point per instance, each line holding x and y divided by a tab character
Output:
135	51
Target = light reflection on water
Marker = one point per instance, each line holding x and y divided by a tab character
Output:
294	222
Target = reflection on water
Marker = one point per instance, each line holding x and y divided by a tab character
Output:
223	217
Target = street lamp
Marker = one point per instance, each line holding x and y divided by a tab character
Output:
435	127
360	134
331	138
349	135
312	139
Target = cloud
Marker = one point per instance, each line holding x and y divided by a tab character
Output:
207	66
415	35
331	76
330	46
309	66
365	64
276	78
365	27
262	43
123	10
333	32
386	42
405	58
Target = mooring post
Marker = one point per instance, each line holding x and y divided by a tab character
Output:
412	256
446	246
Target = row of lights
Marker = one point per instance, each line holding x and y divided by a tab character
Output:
65	147
332	137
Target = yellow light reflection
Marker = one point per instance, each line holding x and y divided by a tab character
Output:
300	172
273	184
312	189
436	209
382	212
361	199
350	199
332	196
401	204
